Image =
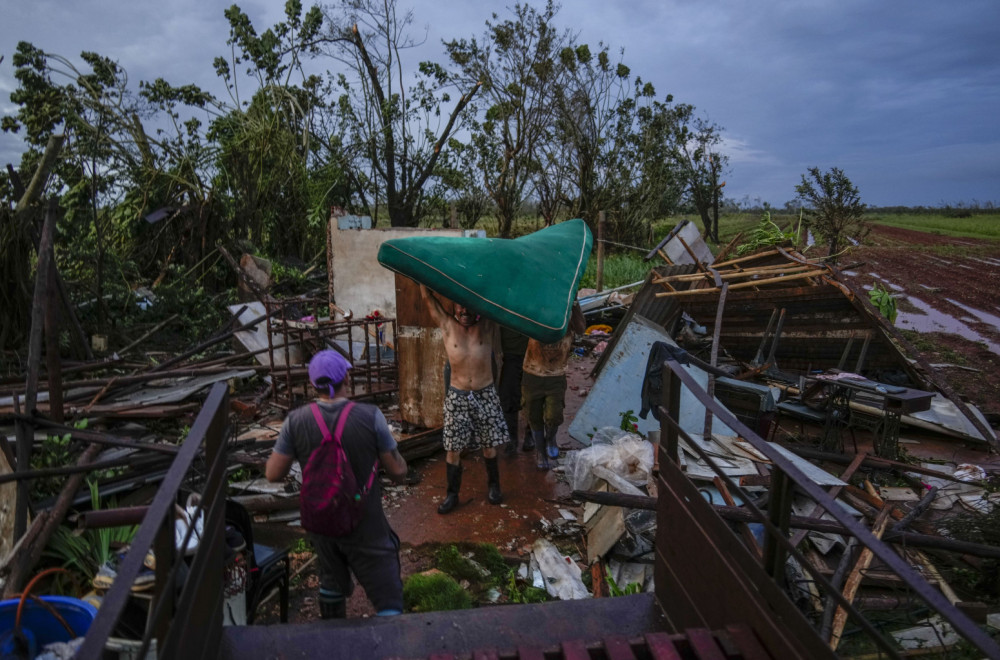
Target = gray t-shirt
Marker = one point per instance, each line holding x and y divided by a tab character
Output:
300	436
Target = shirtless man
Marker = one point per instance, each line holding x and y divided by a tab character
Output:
473	417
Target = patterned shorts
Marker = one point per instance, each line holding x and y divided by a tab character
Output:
473	419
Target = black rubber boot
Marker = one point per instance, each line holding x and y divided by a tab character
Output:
529	441
540	453
493	481
454	484
510	449
336	609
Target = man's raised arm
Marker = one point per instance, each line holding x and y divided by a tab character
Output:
434	306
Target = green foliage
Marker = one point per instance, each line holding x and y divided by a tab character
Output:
434	592
884	301
619	270
515	63
615	590
629	421
454	561
86	552
834	207
55	452
302	545
517	593
16	252
765	234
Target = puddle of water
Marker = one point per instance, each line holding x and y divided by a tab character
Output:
931	320
981	316
886	283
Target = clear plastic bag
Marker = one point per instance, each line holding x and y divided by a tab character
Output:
626	454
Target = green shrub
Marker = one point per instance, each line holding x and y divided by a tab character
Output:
765	234
619	270
433	593
884	301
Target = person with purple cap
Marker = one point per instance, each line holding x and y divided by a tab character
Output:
473	416
371	551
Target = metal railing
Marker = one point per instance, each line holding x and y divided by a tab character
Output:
710	575
185	617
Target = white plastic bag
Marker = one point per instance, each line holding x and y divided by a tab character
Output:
185	519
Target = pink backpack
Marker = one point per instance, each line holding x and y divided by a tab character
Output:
330	502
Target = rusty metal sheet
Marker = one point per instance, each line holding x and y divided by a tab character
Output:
421	376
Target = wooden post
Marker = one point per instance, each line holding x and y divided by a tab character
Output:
53	364
25	436
601	221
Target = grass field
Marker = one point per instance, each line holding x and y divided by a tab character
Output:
978	226
625	266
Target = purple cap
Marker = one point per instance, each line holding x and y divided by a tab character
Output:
329	366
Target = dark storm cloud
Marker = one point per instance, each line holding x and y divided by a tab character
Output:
902	95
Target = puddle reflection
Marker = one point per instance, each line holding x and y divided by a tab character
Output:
931	320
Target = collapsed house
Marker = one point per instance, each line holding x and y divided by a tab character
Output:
709	526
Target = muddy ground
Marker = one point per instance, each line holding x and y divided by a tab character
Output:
947	290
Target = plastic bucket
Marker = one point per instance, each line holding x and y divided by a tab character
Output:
39	623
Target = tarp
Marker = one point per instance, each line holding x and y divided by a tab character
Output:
527	283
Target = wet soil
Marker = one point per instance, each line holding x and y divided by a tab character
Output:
532	499
947	290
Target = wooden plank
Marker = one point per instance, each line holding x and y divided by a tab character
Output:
854	579
704	645
745	532
575	650
530	653
8	495
747	643
603	531
661	647
617	648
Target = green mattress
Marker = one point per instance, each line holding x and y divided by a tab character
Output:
527	283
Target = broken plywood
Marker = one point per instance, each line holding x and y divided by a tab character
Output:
603	531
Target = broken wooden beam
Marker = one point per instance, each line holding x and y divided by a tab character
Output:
854	579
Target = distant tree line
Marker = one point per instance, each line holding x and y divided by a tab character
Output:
323	109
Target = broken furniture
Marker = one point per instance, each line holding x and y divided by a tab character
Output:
890	403
269	567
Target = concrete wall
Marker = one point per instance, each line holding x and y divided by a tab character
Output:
358	283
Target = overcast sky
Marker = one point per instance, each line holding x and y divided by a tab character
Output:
903	96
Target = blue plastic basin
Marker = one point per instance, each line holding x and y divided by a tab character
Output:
41	625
